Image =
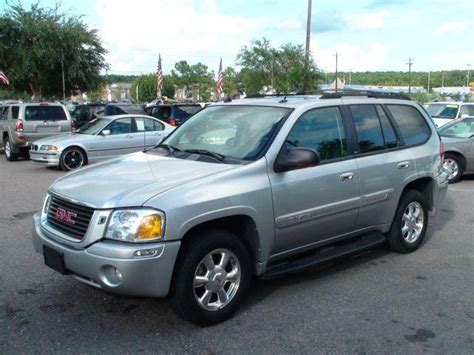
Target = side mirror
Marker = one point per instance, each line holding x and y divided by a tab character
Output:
106	132
464	115
296	158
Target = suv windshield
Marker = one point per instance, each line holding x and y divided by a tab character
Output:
442	110
460	129
95	126
236	132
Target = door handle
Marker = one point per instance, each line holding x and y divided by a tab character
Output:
128	137
346	176
403	165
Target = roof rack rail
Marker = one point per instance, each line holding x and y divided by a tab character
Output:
283	94
373	94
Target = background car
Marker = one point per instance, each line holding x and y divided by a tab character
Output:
458	139
84	113
102	138
23	123
113	109
445	112
174	114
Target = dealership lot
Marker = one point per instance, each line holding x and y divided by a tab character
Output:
377	302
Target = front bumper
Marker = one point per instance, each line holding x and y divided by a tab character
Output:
46	158
95	265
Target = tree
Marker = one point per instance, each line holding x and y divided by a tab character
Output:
37	43
147	87
192	77
282	69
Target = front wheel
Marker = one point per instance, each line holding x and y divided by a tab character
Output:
72	158
409	226
212	276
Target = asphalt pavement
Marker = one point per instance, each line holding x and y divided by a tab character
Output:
378	302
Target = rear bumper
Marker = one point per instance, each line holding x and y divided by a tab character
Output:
46	158
96	265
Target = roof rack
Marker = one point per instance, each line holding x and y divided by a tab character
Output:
373	94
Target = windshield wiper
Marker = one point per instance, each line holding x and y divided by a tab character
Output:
217	156
168	147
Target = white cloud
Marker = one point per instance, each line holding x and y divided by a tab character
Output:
454	27
352	57
178	29
373	20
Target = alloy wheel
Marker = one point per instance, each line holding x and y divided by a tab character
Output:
452	167
412	222
73	159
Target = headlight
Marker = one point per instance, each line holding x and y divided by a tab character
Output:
50	148
44	210
136	225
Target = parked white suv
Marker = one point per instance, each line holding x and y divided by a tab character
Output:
445	112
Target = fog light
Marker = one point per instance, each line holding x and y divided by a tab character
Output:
147	252
118	274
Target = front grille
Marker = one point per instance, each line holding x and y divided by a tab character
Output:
72	219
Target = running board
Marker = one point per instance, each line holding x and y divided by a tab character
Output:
324	255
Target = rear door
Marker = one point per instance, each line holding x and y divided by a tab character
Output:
44	120
149	132
383	164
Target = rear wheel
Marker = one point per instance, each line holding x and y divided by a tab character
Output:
409	226
9	154
453	165
72	158
212	276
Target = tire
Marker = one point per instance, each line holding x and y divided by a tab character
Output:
404	242
72	158
455	167
9	154
190	266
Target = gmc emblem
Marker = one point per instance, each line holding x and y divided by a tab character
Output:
65	216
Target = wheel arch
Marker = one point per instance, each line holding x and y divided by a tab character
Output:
242	225
458	154
425	186
77	147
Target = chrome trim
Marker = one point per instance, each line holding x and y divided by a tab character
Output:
69	199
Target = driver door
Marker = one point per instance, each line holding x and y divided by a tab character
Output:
118	142
316	203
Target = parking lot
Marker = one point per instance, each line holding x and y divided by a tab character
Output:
378	302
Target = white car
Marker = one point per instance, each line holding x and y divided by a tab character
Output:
445	112
102	138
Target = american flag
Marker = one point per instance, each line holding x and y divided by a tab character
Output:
159	78
3	78
220	81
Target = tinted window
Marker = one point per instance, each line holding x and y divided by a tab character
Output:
411	123
461	129
121	126
368	128
389	136
320	129
45	113
148	125
15	110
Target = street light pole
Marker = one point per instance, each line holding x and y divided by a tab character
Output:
429	77
336	73
62	72
468	72
410	63
308	31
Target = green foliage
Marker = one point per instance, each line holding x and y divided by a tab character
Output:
35	42
147	87
118	78
284	69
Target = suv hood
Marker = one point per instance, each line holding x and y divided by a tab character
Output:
131	180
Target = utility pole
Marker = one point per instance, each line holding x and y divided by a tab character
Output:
136	92
468	72
62	72
429	77
442	79
350	76
308	40
410	63
336	72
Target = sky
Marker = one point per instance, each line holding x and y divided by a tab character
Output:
368	35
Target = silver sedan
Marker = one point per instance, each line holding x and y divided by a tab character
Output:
103	138
458	139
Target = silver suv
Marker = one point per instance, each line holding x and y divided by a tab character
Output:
23	123
262	187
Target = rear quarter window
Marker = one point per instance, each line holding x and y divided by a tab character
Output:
45	113
411	123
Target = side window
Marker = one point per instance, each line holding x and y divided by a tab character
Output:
389	136
147	125
467	110
321	129
157	126
369	131
411	123
15	111
121	126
